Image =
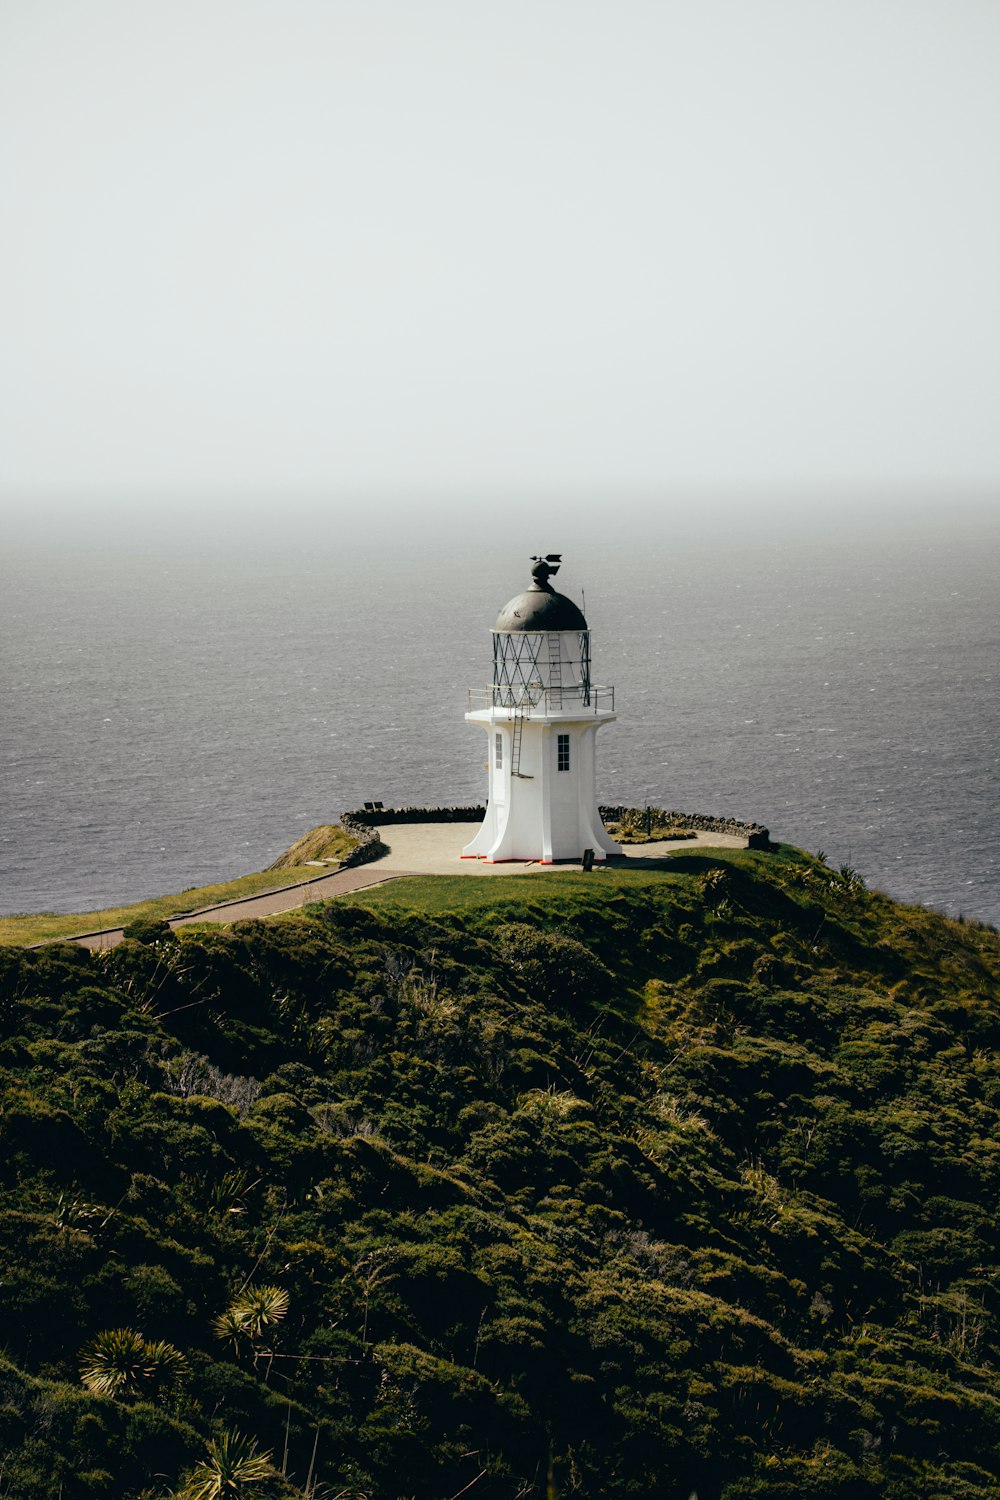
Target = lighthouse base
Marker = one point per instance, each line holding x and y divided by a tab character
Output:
545	809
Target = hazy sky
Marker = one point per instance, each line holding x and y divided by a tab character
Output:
320	248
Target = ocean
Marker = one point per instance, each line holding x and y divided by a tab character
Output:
179	708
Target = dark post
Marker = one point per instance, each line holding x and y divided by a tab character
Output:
588	859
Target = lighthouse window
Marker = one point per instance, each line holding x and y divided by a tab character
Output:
499	754
562	751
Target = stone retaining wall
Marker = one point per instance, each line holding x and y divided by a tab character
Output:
369	845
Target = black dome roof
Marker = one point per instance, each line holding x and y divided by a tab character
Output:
540	608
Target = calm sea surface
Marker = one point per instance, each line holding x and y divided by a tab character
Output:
173	715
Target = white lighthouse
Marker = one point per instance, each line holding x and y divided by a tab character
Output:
541	714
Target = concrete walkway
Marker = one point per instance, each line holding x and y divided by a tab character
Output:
413	849
436	849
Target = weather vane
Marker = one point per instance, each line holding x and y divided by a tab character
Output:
544	567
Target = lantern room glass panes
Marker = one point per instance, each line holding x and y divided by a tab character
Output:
530	667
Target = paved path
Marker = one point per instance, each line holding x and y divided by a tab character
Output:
267	905
413	849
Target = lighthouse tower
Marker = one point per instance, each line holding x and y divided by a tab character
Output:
541	714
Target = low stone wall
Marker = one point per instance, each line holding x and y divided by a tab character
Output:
369	845
413	815
756	835
361	824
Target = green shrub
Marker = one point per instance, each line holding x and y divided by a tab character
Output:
149	931
552	968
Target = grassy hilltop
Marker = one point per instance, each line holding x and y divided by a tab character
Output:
618	1185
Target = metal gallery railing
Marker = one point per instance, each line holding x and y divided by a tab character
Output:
536	699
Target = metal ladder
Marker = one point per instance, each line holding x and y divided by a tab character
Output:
555	668
515	746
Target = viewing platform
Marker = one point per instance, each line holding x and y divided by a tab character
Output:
535	700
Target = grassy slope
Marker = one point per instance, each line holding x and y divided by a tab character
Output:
662	1182
327	842
547	896
44	926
